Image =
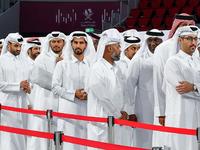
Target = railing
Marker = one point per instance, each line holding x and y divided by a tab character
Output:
59	138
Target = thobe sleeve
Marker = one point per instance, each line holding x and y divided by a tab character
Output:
132	76
173	75
98	88
7	86
39	74
57	82
158	75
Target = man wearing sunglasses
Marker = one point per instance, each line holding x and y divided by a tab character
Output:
182	89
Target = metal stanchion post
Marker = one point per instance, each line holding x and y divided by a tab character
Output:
110	129
156	148
198	138
58	140
50	121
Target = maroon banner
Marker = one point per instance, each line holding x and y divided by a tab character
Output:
45	17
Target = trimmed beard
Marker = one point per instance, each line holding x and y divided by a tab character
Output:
115	56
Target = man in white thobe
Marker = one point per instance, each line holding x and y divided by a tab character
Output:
182	86
140	77
41	77
32	49
13	87
95	38
68	83
104	85
131	45
161	55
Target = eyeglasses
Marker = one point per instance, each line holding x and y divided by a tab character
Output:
189	38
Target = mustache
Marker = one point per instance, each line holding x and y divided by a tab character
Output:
193	45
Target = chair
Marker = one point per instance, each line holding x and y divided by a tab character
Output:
130	22
129	28
120	29
148	12
143	4
135	13
198	12
168	22
160	12
187	9
180	3
143	23
173	11
193	3
168	3
155	3
156	23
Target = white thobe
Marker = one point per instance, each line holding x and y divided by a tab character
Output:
67	78
12	72
31	98
123	65
140	76
182	110
44	99
161	55
105	98
128	133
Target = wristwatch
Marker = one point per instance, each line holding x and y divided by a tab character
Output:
194	87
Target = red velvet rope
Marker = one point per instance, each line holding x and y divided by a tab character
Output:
85	118
155	127
36	112
104	120
69	139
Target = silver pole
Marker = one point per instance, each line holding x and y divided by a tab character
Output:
156	148
198	138
111	129
58	140
50	121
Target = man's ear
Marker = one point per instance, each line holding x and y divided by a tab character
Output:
180	40
110	48
8	44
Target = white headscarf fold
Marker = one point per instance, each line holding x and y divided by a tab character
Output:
181	31
113	37
16	38
154	33
53	35
89	51
2	41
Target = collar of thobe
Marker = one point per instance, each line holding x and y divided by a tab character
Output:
149	53
53	55
108	65
185	56
12	56
126	60
75	60
30	60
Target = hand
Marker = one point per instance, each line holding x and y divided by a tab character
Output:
24	84
27	90
29	107
59	58
124	115
162	120
132	118
80	95
185	87
84	96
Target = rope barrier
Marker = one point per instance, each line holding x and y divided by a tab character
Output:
104	120
69	139
22	110
78	117
156	127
